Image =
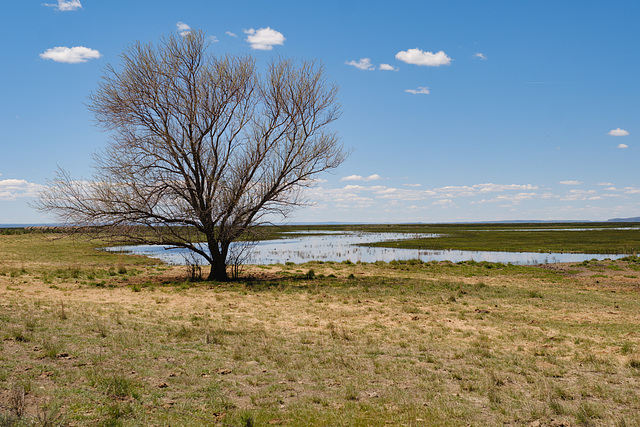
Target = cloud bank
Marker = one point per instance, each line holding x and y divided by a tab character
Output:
12	189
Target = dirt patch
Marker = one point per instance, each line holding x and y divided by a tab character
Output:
607	274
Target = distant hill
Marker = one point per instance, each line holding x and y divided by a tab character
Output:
634	219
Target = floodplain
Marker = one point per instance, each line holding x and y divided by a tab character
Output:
89	337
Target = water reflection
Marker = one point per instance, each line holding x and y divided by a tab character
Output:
344	246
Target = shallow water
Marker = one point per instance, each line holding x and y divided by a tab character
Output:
342	246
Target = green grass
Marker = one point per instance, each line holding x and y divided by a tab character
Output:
605	241
498	236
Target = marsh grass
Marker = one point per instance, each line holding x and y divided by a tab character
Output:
356	344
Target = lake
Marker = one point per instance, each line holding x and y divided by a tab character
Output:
342	246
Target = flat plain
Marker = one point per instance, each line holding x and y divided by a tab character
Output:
95	338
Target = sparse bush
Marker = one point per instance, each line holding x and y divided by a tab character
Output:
16	399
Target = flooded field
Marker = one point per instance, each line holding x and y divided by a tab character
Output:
351	246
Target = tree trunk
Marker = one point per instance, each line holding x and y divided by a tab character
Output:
219	260
218	270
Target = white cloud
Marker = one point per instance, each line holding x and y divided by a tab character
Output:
70	55
581	195
412	185
230	34
213	39
12	189
374	177
480	56
420	91
618	132
444	203
474	190
387	67
623	146
182	28
631	190
404	194
362	64
514	199
427	59
570	183
264	38
65	5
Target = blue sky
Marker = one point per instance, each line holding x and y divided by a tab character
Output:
454	111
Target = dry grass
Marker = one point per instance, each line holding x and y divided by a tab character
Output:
399	344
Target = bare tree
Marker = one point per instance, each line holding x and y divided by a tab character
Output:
202	146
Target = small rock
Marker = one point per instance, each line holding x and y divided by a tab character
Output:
163	385
223	371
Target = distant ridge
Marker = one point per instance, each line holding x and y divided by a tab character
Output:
634	219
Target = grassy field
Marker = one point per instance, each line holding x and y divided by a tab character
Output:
597	238
94	338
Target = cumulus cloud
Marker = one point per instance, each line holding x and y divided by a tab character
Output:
570	182
427	59
362	64
420	91
480	56
65	5
387	67
70	55
12	189
182	28
623	146
230	34
374	177
618	132
264	38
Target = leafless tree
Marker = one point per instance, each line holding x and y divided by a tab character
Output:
202	146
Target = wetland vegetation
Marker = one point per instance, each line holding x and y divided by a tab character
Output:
91	337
